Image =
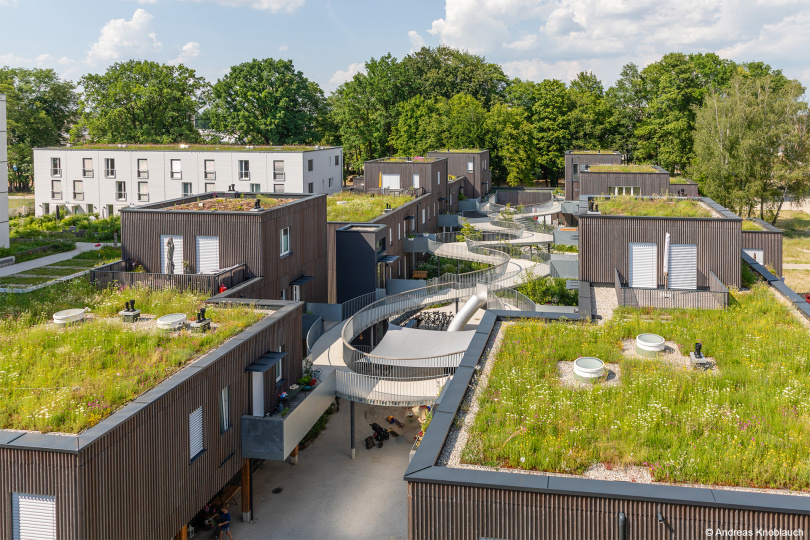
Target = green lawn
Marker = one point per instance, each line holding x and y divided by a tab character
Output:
360	207
795	226
82	261
22	281
748	425
19	203
630	168
627	205
75	263
16	248
67	380
50	271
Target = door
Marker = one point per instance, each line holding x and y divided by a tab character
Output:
683	266
177	258
33	517
296	293
643	265
390	181
757	254
207	254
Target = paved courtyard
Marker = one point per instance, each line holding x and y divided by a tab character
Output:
327	494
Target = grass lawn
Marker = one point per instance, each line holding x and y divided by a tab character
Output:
75	263
795	225
748	425
627	205
49	271
22	280
748	225
360	207
798	280
17	247
19	203
69	379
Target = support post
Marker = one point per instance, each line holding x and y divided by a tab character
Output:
351	423
438	266
294	456
184	532
246	495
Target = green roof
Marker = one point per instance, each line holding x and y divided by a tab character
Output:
360	207
461	150
622	168
627	205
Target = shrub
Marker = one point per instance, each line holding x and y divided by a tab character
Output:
549	290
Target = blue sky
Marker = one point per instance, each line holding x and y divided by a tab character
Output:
329	40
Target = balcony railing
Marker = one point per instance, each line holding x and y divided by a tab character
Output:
56	172
78	195
120	273
715	297
87	173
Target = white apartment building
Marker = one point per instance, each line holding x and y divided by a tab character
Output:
105	178
4	242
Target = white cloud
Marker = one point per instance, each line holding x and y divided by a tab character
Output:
562	22
537	70
187	52
341	76
273	6
121	37
417	41
282	48
147	1
526	42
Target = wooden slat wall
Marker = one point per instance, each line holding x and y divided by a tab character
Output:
585	159
769	242
41	473
136	479
604	245
597	183
457	166
690	190
523	197
439	512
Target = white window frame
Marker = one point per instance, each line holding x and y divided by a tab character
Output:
78	195
244	169
415	180
109	167
120	195
56	166
87	172
143	194
282	233
33	526
390	237
279	175
255	188
143	173
190	189
470	167
210	174
175	169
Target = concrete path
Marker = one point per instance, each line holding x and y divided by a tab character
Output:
50	259
328	494
795	266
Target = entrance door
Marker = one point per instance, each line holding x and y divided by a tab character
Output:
643	266
683	266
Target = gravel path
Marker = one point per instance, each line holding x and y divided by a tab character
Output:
604	302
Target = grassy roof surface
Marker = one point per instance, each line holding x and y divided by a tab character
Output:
360	207
748	225
628	168
68	379
224	204
627	205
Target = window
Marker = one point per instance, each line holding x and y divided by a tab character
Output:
296	293
285	241
207	254
33	516
575	168
78	190
279	369
143	169
143	191
255	188
390	237
399	231
210	171
310	188
309	165
46	208
623	190
109	168
87	167
225	410
283	294
120	191
176	171
469	166
209	186
56	189
423	215
415	180
195	434
278	188
330	183
439	176
337	160
56	166
89	208
484	165
278	171
186	189
244	169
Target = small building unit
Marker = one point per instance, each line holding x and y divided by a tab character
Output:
763	242
394	174
575	160
472	164
362	259
105	178
639	180
282	243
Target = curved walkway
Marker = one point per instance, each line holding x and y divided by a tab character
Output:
81	247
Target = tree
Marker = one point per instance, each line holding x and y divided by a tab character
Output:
551	107
40	107
414	133
751	144
627	102
267	102
141	102
590	120
460	122
511	140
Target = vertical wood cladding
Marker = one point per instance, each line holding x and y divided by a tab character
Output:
520	197
473	180
770	242
689	190
244	237
438	511
598	183
604	245
579	159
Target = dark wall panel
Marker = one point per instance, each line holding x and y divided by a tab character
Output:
769	242
571	158
598	183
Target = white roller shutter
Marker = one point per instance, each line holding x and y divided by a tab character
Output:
390	181
195	432
757	254
643	265
207	254
683	266
178	253
33	517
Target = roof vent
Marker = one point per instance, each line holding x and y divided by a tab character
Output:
183	146
175	321
69	316
249	147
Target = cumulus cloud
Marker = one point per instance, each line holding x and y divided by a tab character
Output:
341	76
282	48
147	1
273	6
417	41
121	37
187	52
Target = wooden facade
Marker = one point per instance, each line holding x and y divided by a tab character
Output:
478	179
131	475
523	197
684	189
581	159
601	183
252	238
604	245
769	240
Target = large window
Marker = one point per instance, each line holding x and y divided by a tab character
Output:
210	170
120	191
196	443
143	191
78	190
285	241
278	171
224	409
186	189
244	169
56	166
87	167
56	189
143	169
109	167
176	171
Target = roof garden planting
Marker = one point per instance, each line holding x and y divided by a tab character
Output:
349	206
628	205
227	204
192	147
744	422
67	379
593	151
414	159
461	150
617	168
749	225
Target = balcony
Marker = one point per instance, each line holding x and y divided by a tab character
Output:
420	243
109	173
450	220
87	173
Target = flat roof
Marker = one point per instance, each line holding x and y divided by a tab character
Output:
224	202
361	207
458	151
592	152
180	147
409	159
655	207
623	168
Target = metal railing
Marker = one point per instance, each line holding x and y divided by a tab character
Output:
314	333
350	307
512	298
118	273
715	297
390	392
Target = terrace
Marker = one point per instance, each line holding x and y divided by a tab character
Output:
626	205
361	207
67	379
